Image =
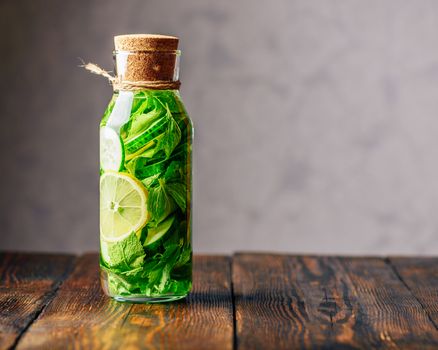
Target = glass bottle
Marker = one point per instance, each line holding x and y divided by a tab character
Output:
146	175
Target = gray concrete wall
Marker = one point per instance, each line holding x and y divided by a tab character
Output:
316	121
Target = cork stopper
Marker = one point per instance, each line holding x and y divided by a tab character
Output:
145	42
146	57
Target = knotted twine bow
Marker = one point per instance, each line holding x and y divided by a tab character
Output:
127	85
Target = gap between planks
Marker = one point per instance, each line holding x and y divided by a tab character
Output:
47	300
21	272
276	294
394	268
51	295
204	317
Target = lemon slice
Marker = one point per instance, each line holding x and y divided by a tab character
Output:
123	206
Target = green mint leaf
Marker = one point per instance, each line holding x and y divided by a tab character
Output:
178	191
164	278
120	286
184	257
141	104
146	167
126	255
163	98
134	166
151	180
168	260
174	171
140	122
160	203
172	135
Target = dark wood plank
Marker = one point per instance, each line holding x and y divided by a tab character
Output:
286	302
289	302
82	317
421	276
389	307
27	284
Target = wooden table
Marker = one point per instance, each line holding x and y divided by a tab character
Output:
248	301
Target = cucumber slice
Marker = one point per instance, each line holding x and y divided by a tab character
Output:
156	233
138	142
111	149
147	148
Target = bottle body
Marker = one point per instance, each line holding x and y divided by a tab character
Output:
146	197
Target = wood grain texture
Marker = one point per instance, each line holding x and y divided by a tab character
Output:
387	307
290	302
82	317
421	277
27	283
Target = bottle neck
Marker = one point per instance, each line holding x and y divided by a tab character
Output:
147	66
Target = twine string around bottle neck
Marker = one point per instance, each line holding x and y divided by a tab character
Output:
119	84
